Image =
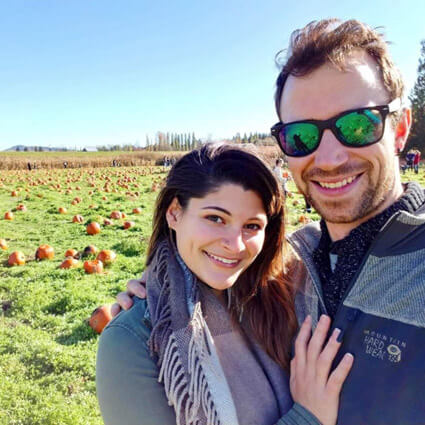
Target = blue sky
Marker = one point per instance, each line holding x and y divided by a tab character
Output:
91	72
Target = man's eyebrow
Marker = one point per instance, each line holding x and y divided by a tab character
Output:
217	208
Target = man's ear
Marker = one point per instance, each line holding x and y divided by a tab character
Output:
173	214
402	129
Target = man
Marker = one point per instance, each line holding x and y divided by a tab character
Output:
342	125
364	261
417	160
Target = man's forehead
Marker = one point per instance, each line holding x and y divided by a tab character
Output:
329	90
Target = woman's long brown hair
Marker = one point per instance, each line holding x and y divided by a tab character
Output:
263	292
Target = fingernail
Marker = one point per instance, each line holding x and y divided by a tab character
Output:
348	358
335	334
340	335
307	319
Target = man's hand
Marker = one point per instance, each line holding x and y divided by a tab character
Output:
135	287
312	384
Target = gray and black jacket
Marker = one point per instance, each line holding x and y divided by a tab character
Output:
382	318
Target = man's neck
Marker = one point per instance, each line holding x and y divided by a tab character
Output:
338	231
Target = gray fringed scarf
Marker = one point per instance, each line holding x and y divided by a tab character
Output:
189	366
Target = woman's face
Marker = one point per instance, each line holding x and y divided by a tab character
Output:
220	235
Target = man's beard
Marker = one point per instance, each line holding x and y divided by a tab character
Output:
370	199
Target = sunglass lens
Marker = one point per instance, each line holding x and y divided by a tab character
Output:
360	128
299	139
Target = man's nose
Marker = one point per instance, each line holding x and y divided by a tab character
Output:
331	153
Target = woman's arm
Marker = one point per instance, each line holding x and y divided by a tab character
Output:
127	377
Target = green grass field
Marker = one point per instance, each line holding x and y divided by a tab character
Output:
47	349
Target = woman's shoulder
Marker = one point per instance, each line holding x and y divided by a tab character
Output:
135	320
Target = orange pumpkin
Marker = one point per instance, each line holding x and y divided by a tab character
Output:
129	224
21	207
14	193
77	218
303	219
62	210
17	258
137	210
93	228
69	263
45	252
93	266
107	222
100	318
9	215
107	256
3	244
116	215
89	250
71	253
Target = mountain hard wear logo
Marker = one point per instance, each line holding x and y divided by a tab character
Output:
383	347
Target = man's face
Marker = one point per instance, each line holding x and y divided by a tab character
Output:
345	185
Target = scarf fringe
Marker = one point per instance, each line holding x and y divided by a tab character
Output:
188	397
186	385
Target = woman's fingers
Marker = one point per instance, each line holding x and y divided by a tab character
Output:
124	300
301	343
327	356
136	287
318	339
338	376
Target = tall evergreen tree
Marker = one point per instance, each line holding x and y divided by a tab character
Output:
417	98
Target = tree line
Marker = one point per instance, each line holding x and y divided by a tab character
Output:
417	99
163	142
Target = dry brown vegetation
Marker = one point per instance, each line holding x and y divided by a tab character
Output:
48	160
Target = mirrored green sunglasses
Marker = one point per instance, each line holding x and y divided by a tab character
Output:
354	128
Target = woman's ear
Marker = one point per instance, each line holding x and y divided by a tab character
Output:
173	214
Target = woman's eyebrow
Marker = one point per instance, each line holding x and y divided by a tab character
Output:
217	208
212	207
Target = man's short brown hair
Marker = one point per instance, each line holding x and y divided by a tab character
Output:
332	40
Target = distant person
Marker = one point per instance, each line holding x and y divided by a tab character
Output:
410	156
65	164
416	161
29	166
278	172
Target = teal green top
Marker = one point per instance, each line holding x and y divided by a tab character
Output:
127	377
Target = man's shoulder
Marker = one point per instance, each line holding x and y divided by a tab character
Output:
308	235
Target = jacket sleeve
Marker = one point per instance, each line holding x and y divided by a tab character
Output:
127	377
298	415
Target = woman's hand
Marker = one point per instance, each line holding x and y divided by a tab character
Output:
135	287
312	385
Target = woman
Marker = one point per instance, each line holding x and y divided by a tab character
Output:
217	324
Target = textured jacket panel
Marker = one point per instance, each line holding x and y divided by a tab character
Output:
392	287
